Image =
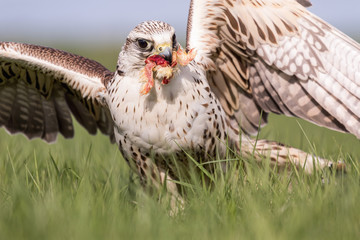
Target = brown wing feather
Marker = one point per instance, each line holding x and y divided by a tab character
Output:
41	88
280	55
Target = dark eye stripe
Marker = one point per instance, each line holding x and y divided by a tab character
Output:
174	40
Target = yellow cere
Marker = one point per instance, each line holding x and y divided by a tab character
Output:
159	48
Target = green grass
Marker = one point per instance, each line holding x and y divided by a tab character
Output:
82	189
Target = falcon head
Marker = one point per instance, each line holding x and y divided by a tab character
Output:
151	50
145	40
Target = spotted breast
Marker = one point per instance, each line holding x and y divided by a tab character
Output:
181	116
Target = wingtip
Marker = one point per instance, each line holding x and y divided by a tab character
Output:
305	3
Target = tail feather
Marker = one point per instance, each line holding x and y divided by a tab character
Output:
283	156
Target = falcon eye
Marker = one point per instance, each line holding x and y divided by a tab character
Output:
142	43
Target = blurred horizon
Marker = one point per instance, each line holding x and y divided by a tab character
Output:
88	23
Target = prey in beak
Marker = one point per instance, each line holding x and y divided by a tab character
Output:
163	64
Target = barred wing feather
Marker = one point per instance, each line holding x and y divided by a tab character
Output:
41	88
280	58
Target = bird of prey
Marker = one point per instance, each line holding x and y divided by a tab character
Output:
243	59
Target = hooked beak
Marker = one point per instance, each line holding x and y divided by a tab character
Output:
166	53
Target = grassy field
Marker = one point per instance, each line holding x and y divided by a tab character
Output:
82	189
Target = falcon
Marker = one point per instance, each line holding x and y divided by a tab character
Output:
167	107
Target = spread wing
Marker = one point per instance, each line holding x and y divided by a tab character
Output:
275	56
41	88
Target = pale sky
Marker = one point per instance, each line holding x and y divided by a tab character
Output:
95	22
